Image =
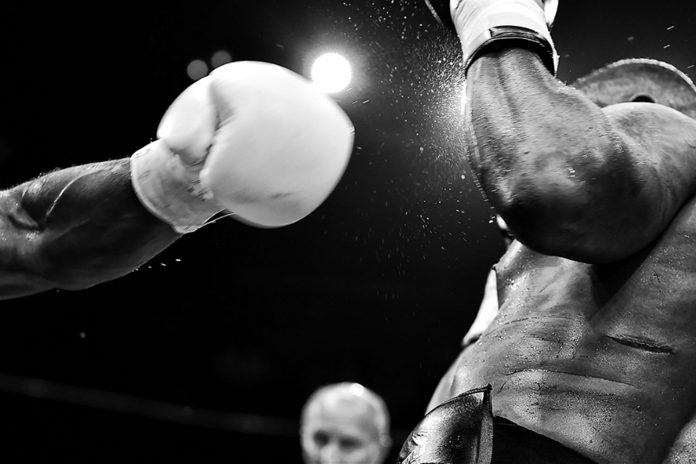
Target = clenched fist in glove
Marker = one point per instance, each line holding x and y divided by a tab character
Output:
251	138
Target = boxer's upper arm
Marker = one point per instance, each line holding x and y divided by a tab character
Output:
617	202
570	178
660	155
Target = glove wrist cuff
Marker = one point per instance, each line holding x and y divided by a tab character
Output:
481	24
170	189
505	37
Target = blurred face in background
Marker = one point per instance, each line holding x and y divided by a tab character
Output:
339	429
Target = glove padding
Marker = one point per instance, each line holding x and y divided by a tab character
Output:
252	138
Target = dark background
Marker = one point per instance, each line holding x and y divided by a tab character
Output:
207	353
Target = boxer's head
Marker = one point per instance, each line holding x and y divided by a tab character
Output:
640	80
344	423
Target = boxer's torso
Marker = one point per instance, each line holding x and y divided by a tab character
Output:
601	358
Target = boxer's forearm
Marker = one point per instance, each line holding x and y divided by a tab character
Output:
568	179
75	228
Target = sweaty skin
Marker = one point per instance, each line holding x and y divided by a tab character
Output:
594	343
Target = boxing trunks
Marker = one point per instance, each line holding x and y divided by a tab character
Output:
463	431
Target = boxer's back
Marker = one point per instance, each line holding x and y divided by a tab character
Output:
601	358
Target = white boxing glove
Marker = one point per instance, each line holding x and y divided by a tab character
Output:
252	138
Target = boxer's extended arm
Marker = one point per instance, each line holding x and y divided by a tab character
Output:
74	228
571	179
77	227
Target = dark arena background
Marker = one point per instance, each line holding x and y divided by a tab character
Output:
207	353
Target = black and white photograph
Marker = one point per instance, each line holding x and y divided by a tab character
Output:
348	232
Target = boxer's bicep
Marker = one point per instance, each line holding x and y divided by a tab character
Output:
570	178
605	194
622	203
661	154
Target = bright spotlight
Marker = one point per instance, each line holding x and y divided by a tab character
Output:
331	72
